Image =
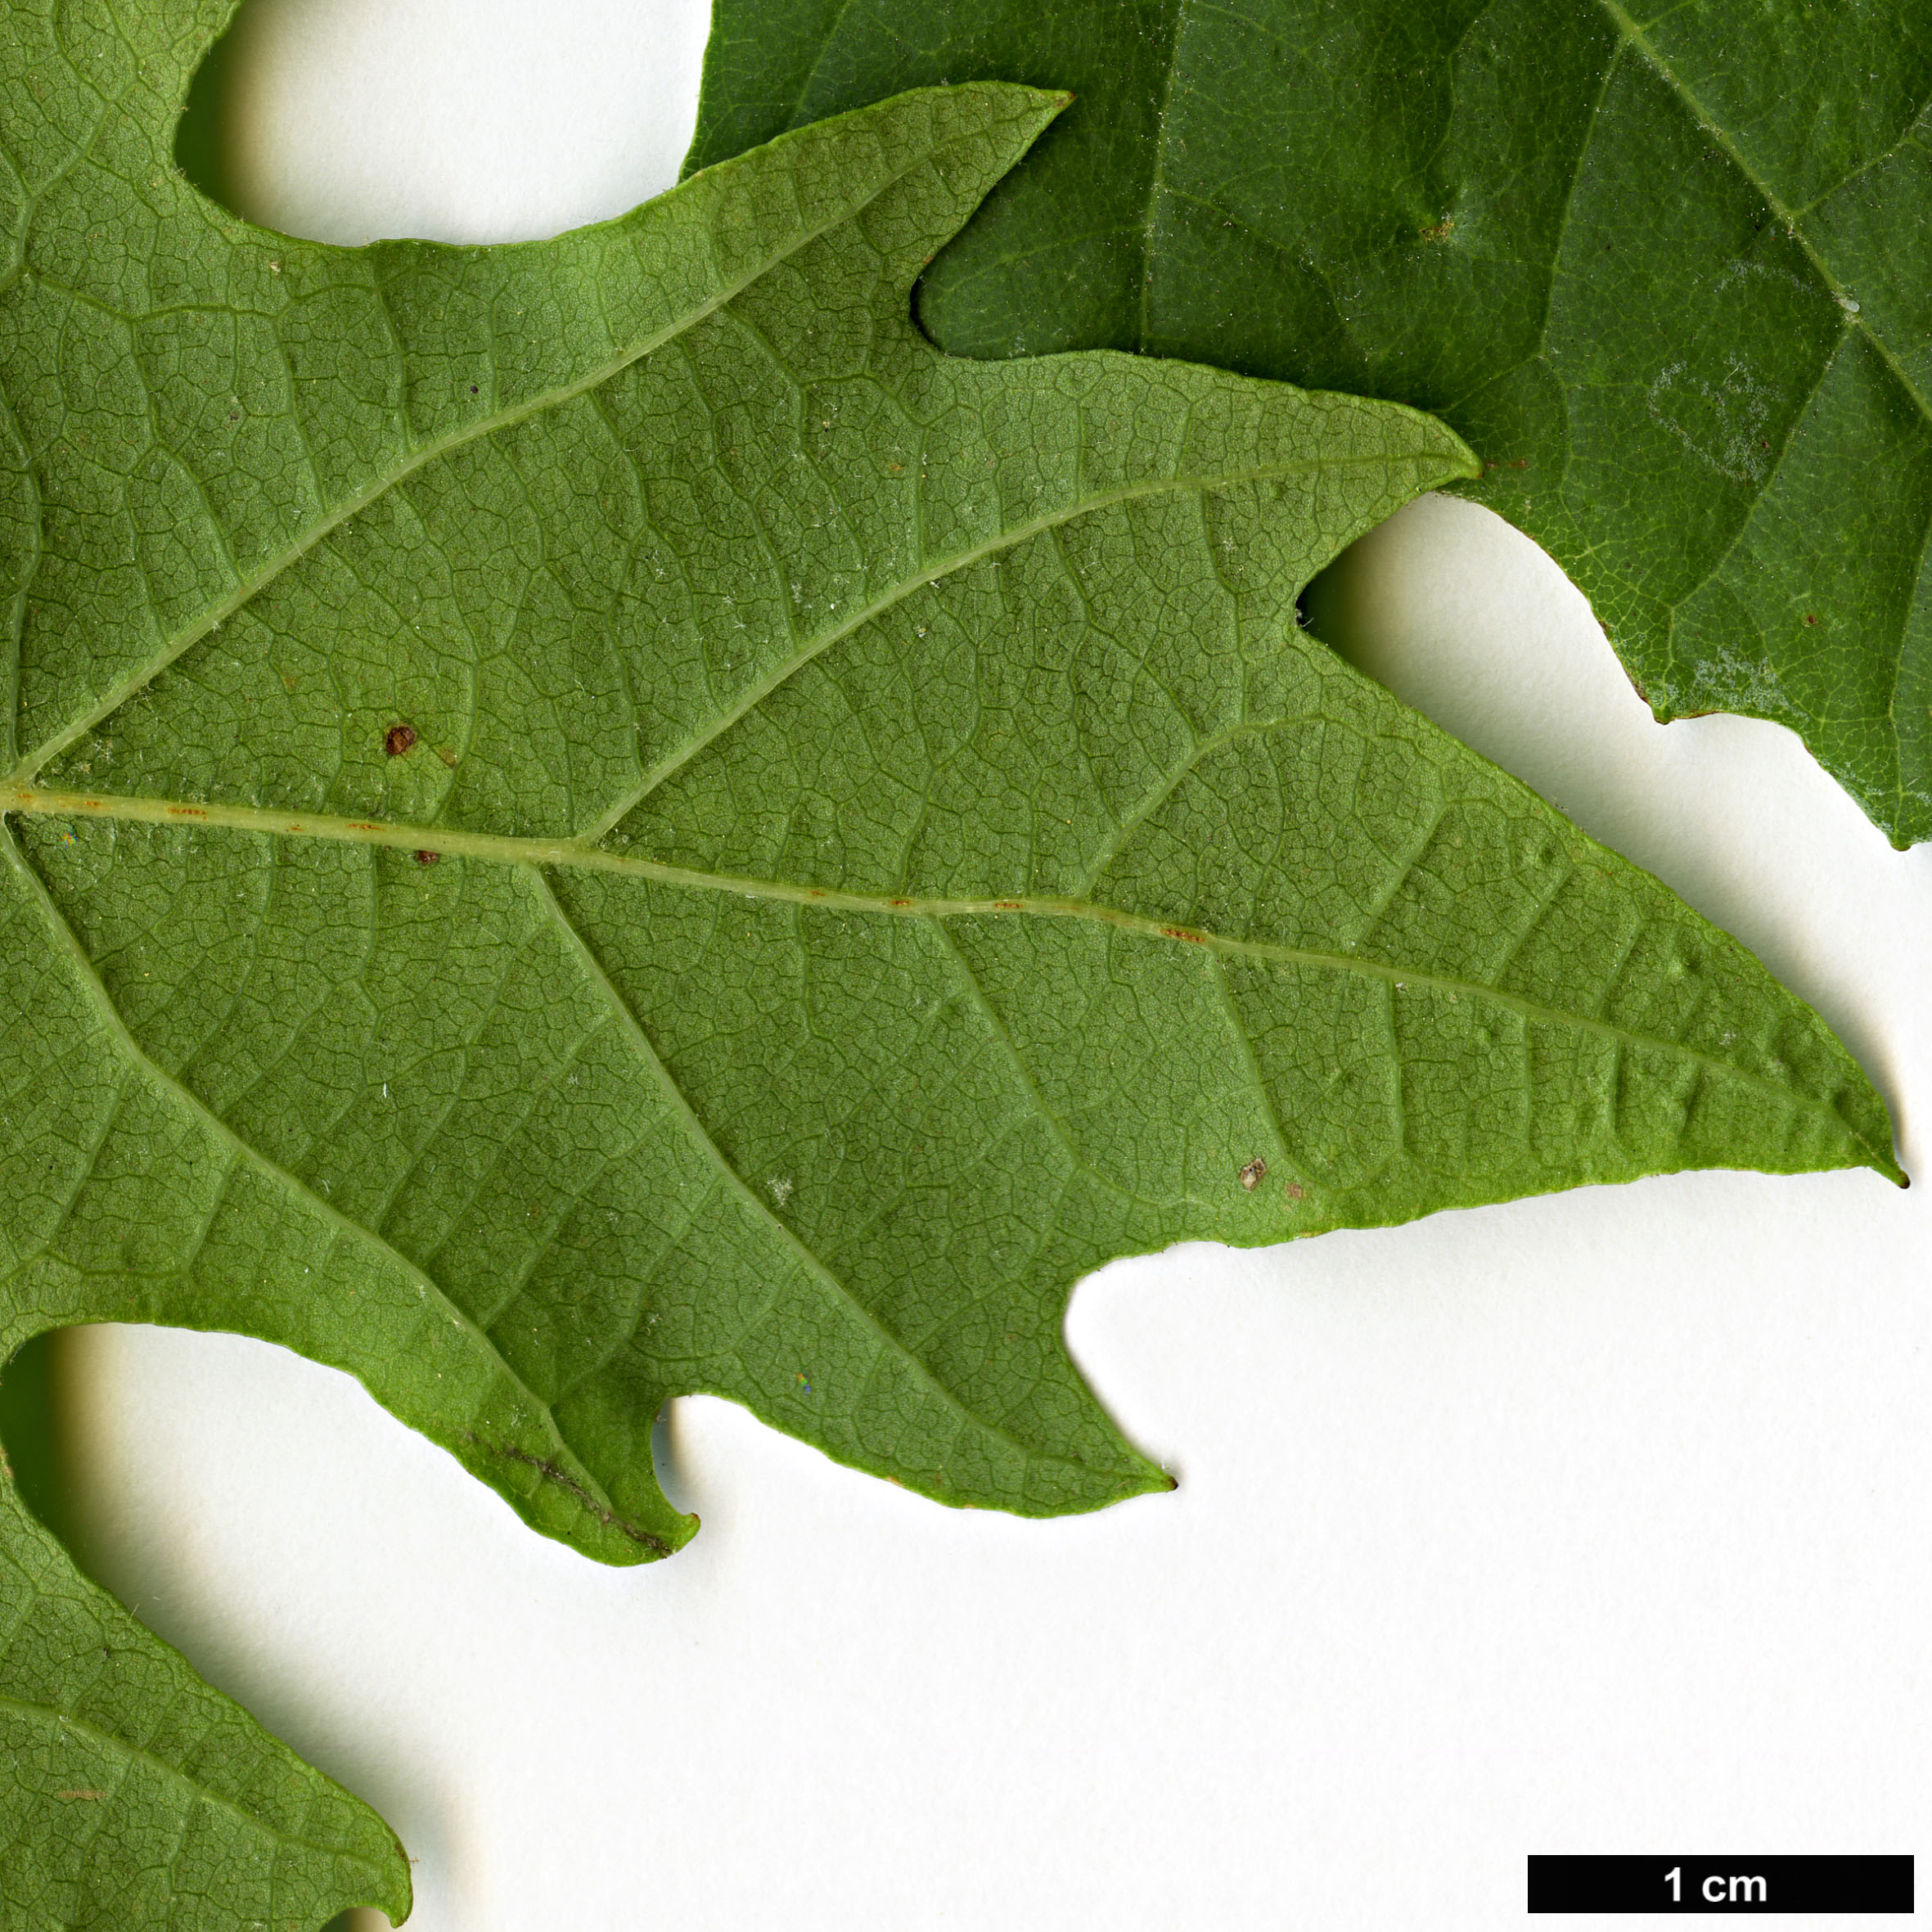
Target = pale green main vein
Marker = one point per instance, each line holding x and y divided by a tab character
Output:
572	854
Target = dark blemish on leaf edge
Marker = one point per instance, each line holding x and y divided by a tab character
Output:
571	1487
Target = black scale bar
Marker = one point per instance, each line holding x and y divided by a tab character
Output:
1741	1884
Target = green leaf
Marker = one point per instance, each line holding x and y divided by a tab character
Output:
133	1794
1665	271
595	820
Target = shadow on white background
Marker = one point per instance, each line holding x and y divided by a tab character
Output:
1592	1523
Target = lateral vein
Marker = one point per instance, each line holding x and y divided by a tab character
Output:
247	588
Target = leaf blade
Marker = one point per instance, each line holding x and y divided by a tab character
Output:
952	508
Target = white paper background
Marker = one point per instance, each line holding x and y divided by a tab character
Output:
1594	1523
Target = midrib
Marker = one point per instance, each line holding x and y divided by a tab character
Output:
570	854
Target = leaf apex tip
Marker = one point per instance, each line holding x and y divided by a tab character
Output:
1883	1163
1883	1159
686	1526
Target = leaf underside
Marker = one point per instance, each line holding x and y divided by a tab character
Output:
595	820
1665	269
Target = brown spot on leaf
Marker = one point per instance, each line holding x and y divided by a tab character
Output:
1251	1174
428	858
398	739
1294	1191
552	1473
446	756
82	1793
1810	617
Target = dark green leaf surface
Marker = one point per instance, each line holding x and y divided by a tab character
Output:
1668	270
596	820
